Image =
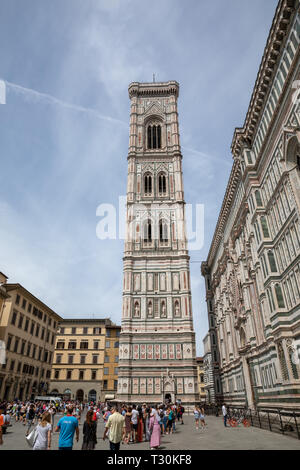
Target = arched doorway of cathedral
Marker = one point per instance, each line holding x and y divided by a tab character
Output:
92	395
79	395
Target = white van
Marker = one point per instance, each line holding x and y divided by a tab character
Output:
49	399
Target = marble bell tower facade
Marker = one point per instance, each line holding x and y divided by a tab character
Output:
157	343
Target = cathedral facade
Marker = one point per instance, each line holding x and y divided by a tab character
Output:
252	272
157	355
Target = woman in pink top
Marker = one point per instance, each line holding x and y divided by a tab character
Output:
154	428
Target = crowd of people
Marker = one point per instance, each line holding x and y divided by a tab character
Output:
127	424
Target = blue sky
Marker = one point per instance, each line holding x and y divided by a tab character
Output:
64	130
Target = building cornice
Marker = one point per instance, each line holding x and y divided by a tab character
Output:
280	27
18	287
234	179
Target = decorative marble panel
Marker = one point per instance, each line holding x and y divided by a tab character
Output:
171	351
157	385
136	351
150	385
135	386
143	351
164	351
143	385
149	351
157	351
178	351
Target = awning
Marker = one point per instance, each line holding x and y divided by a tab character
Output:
109	397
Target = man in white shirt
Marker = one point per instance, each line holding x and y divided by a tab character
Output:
224	411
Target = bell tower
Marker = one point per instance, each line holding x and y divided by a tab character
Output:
157	343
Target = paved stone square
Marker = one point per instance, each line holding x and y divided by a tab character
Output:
186	437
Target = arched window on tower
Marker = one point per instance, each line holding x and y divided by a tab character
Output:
148	184
154	136
162	183
163	232
148	231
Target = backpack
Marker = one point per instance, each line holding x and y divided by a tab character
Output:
182	409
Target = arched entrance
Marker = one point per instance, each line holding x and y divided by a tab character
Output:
92	395
79	395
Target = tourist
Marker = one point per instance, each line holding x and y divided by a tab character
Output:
147	423
128	425
224	411
202	418
67	426
134	421
197	416
30	418
169	414
154	428
117	430
1	425
140	428
180	412
89	432
43	433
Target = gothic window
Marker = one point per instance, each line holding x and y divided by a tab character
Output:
163	231
264	227
148	183
258	198
242	338
279	296
272	261
148	231
154	137
162	183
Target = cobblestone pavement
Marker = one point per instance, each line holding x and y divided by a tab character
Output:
186	437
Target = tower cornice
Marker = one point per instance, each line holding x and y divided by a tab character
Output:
153	89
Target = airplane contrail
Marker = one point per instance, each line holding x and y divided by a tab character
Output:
46	98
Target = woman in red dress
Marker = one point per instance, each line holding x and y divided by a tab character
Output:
140	429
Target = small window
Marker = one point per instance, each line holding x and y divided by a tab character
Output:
272	261
258	198
105	370
95	359
14	318
18	299
264	227
97	331
279	296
